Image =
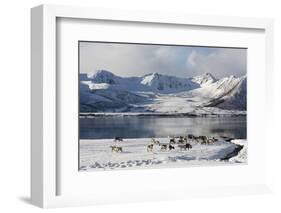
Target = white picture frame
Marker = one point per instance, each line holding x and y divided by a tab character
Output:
44	153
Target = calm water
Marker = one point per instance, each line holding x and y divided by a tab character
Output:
145	127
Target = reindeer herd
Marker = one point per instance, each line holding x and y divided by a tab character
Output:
183	143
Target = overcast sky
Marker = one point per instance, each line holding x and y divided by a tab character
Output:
182	61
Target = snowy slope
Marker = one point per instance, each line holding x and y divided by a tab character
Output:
242	156
236	98
103	91
218	88
227	93
97	154
95	98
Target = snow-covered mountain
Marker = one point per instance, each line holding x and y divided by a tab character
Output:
226	93
153	82
234	98
205	79
167	84
103	91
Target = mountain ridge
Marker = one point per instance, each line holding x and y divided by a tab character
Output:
103	91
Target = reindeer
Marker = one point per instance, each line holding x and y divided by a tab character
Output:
172	140
191	137
215	139
116	149
155	142
171	147
164	147
188	146
185	146
181	141
203	142
203	139
118	139
212	140
149	147
181	137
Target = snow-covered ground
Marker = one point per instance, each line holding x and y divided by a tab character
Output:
97	154
242	156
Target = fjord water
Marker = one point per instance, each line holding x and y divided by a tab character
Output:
108	127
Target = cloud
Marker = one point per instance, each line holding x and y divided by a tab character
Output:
191	60
221	62
182	61
121	59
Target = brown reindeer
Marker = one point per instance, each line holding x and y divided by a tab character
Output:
155	142
116	149
185	146
172	141
211	140
149	147
202	139
171	147
164	147
118	139
192	137
181	141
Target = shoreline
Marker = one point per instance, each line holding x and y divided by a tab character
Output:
234	153
132	114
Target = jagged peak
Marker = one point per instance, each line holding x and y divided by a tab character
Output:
205	75
100	73
153	74
205	78
208	74
103	76
234	78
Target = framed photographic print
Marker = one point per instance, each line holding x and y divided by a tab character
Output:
121	99
189	108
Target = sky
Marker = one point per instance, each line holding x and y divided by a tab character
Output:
182	61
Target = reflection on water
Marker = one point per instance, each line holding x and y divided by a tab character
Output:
144	127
